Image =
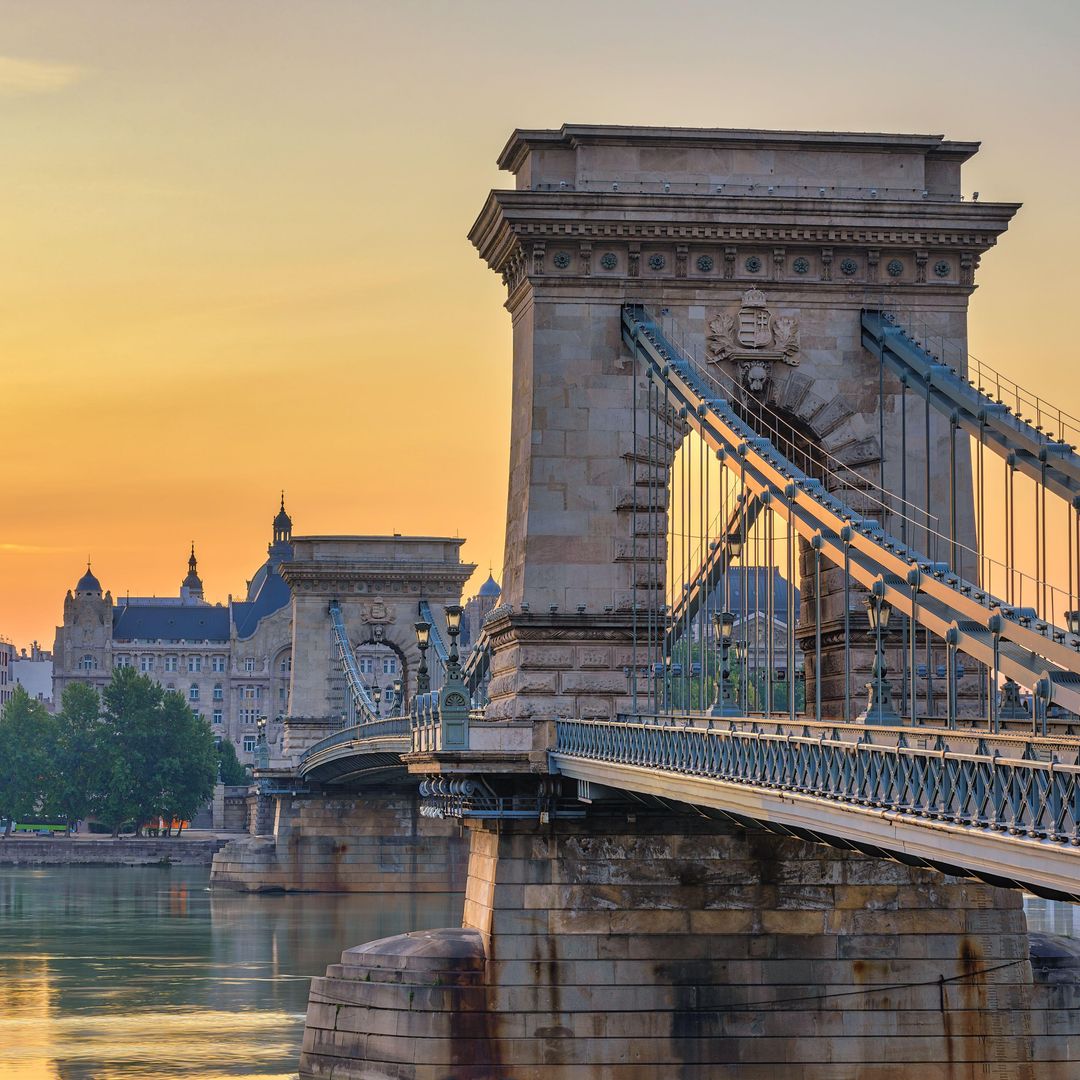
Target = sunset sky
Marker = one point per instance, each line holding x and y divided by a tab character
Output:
235	256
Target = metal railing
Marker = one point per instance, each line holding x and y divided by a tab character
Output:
972	787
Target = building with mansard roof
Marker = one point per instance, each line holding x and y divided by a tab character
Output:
231	661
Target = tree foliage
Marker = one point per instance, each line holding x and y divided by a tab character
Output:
27	737
135	754
231	771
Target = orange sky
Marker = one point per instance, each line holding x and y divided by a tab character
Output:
235	255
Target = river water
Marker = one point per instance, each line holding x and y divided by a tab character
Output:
110	973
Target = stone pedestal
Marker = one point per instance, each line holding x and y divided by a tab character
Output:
217	807
628	949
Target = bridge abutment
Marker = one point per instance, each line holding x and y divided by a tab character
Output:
375	841
649	944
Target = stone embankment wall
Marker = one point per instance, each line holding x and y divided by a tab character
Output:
665	946
130	851
371	842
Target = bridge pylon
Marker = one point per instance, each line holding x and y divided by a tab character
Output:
764	248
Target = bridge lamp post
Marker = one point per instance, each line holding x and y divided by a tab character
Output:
262	747
723	627
423	640
376	696
398	703
453	628
879	708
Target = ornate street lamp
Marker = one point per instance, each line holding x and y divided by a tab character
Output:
723	627
1072	620
879	707
262	747
376	696
398	703
423	640
453	628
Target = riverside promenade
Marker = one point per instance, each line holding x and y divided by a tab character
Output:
195	848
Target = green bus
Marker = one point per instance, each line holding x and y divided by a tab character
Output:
40	827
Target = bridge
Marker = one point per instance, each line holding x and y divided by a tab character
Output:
737	350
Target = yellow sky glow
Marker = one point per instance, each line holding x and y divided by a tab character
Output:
235	254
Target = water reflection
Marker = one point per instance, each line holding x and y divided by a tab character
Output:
143	972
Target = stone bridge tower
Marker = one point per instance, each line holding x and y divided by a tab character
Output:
723	228
379	582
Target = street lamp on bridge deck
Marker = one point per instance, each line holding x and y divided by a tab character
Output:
723	627
879	707
423	640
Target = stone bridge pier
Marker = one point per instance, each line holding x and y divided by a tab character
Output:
648	942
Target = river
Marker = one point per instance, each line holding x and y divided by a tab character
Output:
110	973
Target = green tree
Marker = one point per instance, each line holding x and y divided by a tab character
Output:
82	754
165	764
188	763
26	740
231	771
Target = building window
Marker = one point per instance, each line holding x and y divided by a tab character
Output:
217	664
146	663
217	716
248	716
250	693
193	692
286	664
219	694
367	665
249	744
123	660
249	663
88	663
389	665
172	663
282	694
194	664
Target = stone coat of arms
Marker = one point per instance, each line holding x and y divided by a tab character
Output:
753	338
376	612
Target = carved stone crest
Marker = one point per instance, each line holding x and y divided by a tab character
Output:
376	612
753	338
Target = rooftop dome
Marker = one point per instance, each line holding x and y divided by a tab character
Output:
192	582
490	588
282	522
88	583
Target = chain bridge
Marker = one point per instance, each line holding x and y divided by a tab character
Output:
780	710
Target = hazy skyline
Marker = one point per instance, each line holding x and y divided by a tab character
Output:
236	254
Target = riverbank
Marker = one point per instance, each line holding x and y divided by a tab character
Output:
185	850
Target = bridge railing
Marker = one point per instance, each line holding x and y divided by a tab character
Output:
1029	797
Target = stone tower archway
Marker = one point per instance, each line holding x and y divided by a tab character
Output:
379	582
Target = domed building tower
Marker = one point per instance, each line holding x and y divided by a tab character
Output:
478	608
191	589
83	648
280	549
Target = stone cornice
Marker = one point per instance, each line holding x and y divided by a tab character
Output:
447	577
572	136
510	218
510	627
